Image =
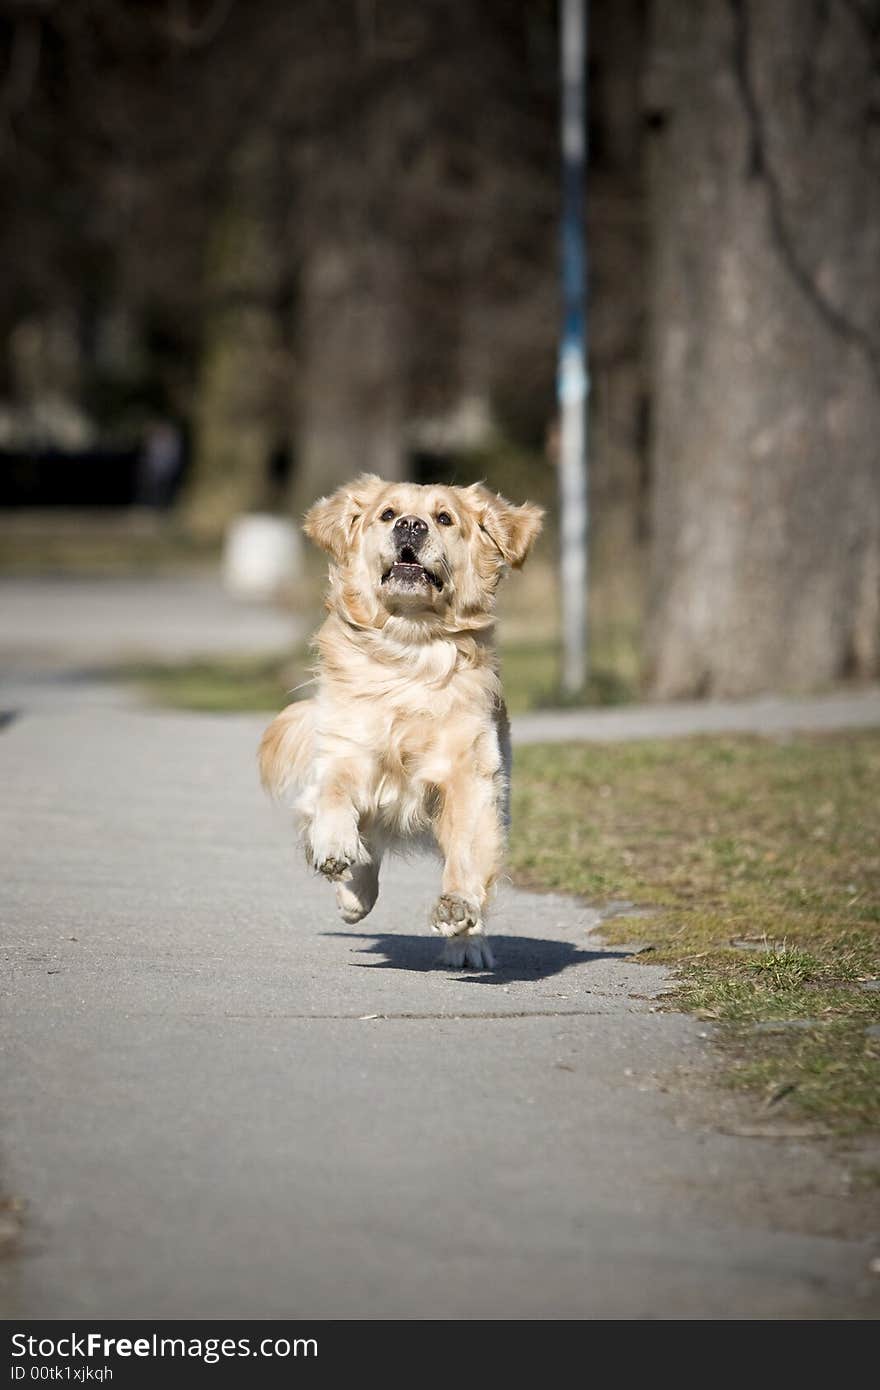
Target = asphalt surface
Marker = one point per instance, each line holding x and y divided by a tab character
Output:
768	715
52	622
217	1101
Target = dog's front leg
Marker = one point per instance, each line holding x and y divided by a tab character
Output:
470	833
331	820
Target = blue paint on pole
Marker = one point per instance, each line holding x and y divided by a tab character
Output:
573	254
573	380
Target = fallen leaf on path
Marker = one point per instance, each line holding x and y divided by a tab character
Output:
779	1092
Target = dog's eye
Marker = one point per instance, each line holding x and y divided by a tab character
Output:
444	519
387	515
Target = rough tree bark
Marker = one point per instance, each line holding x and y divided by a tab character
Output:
349	410
616	239
240	406
765	208
350	406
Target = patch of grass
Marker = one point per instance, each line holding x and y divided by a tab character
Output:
832	1072
762	862
531	673
238	683
232	684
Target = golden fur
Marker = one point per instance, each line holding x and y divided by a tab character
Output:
407	736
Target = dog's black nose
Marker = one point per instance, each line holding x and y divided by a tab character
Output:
410	530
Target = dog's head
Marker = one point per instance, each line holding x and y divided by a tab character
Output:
433	555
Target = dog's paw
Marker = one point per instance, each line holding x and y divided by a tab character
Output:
452	915
354	900
333	850
471	951
335	868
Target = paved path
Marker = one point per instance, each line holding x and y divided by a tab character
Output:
204	1119
109	620
769	714
216	1101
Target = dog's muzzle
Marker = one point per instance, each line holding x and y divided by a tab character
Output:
410	534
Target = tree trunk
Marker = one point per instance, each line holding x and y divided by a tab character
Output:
616	241
350	406
765	209
240	419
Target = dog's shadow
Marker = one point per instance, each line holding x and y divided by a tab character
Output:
517	957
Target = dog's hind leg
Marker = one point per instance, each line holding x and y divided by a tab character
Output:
356	895
287	748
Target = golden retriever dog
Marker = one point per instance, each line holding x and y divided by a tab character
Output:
406	740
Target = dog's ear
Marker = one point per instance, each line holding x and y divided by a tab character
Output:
513	530
331	521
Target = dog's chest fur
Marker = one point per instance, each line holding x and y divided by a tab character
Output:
407	727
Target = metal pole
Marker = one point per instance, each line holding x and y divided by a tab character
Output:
573	381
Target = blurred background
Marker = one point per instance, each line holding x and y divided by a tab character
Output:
252	247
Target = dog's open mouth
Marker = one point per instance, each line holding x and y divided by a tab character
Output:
408	571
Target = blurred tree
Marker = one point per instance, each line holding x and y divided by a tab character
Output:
765	301
617	244
243	369
320	225
427	228
329	233
349	411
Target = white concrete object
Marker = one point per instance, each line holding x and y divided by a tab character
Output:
261	556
